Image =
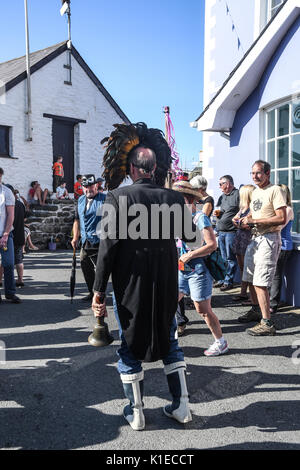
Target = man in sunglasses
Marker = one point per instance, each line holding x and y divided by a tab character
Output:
87	217
267	217
229	206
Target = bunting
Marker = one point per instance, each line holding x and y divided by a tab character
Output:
233	26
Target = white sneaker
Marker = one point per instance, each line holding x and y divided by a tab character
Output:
217	349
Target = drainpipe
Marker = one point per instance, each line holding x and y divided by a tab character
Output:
28	104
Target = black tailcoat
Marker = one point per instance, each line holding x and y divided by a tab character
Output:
144	271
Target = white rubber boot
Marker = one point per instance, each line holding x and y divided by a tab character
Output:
179	408
133	386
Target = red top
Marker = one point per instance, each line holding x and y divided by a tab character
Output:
78	191
58	169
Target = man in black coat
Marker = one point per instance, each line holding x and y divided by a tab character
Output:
141	255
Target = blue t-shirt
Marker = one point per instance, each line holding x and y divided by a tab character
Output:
196	264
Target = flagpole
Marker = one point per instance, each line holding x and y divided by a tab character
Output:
28	108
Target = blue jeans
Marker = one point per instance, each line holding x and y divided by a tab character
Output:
8	261
226	240
128	364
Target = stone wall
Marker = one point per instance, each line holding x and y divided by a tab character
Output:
53	220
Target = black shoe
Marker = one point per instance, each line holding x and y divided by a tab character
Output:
88	297
14	299
218	284
226	287
19	284
252	315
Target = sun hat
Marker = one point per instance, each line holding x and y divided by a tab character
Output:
185	187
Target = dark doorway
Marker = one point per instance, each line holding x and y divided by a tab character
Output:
63	145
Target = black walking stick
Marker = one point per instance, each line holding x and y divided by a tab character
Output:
73	275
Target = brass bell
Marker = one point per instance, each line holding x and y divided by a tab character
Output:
101	335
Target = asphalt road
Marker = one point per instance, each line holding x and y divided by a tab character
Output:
58	392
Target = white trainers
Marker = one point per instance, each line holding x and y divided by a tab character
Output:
217	349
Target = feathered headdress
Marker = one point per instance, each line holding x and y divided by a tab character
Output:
122	141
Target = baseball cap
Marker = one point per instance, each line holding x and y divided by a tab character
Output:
88	180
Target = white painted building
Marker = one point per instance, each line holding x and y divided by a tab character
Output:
71	113
252	100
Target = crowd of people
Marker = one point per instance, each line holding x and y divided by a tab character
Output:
151	276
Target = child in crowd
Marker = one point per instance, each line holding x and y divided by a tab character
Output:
78	191
58	173
243	237
61	191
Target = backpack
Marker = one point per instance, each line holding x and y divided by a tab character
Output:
216	265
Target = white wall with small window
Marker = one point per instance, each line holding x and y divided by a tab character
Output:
282	149
264	12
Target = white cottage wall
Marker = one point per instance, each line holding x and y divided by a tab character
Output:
81	100
221	57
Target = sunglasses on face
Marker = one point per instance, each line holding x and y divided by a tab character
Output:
88	181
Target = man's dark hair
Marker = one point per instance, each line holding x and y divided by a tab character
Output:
142	158
228	178
33	183
1	171
78	176
265	165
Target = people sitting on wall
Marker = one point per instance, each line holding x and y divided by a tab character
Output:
61	191
78	191
36	195
58	173
28	245
285	253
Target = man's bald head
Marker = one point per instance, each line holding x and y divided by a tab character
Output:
144	160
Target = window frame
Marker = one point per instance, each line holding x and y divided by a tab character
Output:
7	139
276	169
272	10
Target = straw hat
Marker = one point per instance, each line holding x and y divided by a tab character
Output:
185	187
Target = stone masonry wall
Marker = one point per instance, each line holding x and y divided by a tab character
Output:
53	220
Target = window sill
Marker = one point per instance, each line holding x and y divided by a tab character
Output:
8	156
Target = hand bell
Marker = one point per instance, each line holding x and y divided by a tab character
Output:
100	336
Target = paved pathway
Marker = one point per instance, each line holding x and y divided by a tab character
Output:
58	392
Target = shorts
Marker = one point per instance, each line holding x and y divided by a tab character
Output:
261	259
197	286
18	255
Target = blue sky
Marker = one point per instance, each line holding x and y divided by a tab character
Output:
147	53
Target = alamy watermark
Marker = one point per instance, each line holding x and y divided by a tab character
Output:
2	353
296	353
126	221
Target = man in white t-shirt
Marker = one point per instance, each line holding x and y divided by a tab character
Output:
7	212
267	216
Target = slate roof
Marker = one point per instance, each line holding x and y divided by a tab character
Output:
13	71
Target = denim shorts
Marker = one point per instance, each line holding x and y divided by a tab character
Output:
197	285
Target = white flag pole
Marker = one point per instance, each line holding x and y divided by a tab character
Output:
28	108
